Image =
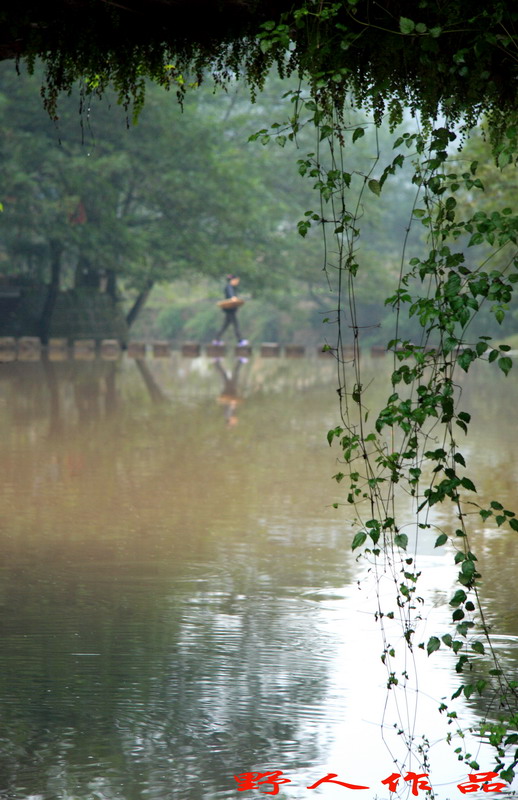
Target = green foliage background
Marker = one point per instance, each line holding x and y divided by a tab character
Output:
176	202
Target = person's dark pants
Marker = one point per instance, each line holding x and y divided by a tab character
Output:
230	319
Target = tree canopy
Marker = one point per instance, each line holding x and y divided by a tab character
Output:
156	203
458	56
140	206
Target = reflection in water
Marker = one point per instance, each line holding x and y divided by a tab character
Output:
155	392
229	397
178	605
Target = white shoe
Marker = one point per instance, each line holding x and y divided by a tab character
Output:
242	342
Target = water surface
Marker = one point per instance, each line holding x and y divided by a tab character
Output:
180	603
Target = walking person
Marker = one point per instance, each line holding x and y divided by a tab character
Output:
230	306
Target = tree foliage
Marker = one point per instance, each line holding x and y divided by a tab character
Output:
184	196
459	56
140	206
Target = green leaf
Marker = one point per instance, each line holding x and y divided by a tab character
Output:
374	186
458	598
433	644
406	25
478	647
359	539
468	570
505	364
464	359
358	133
332	433
442	539
303	227
468	484
462	425
450	343
401	540
514	524
507	775
477	238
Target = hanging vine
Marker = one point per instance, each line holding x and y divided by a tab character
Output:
422	454
458	55
414	445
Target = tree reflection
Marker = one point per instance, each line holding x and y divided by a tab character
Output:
155	638
155	392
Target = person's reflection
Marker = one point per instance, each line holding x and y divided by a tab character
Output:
229	397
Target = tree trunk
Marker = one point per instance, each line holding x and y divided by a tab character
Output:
56	249
139	303
111	284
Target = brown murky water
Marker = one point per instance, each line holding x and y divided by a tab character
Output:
180	603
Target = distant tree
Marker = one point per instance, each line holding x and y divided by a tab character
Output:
86	198
89	202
